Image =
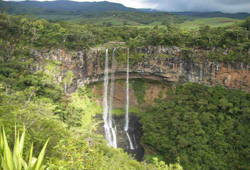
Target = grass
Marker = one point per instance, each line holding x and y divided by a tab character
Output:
78	19
58	17
136	110
195	24
103	20
156	23
213	22
151	26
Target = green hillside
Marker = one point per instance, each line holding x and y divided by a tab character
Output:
212	22
239	15
61	7
114	14
98	13
104	21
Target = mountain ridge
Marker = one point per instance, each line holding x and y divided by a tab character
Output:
68	7
238	15
20	7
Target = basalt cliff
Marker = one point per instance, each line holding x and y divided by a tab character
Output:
155	63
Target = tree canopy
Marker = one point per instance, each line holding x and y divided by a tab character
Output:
206	127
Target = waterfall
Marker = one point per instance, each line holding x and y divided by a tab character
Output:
111	95
127	97
105	100
109	124
135	141
126	127
130	142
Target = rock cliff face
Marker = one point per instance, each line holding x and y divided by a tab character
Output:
153	90
157	63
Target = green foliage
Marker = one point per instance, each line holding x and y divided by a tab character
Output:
246	24
146	18
135	57
162	165
92	153
139	87
15	160
81	108
31	99
206	127
212	22
239	15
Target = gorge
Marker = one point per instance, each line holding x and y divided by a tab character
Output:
129	90
168	66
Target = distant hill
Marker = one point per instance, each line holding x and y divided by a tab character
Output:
146	17
34	7
107	13
148	10
89	12
240	15
65	7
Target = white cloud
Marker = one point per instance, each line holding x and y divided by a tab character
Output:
188	5
202	5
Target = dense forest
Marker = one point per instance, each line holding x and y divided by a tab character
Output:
194	127
206	127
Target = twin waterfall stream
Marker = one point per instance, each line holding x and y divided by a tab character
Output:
126	127
110	128
109	125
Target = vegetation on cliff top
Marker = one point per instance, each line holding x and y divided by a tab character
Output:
19	33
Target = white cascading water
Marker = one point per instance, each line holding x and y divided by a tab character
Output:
105	101
110	130
126	127
111	95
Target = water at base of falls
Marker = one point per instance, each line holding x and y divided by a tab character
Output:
135	133
130	141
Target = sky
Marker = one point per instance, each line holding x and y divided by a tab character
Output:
188	5
231	6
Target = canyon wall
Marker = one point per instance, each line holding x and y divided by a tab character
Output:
164	67
156	63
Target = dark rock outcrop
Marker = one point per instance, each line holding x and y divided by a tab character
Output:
135	132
